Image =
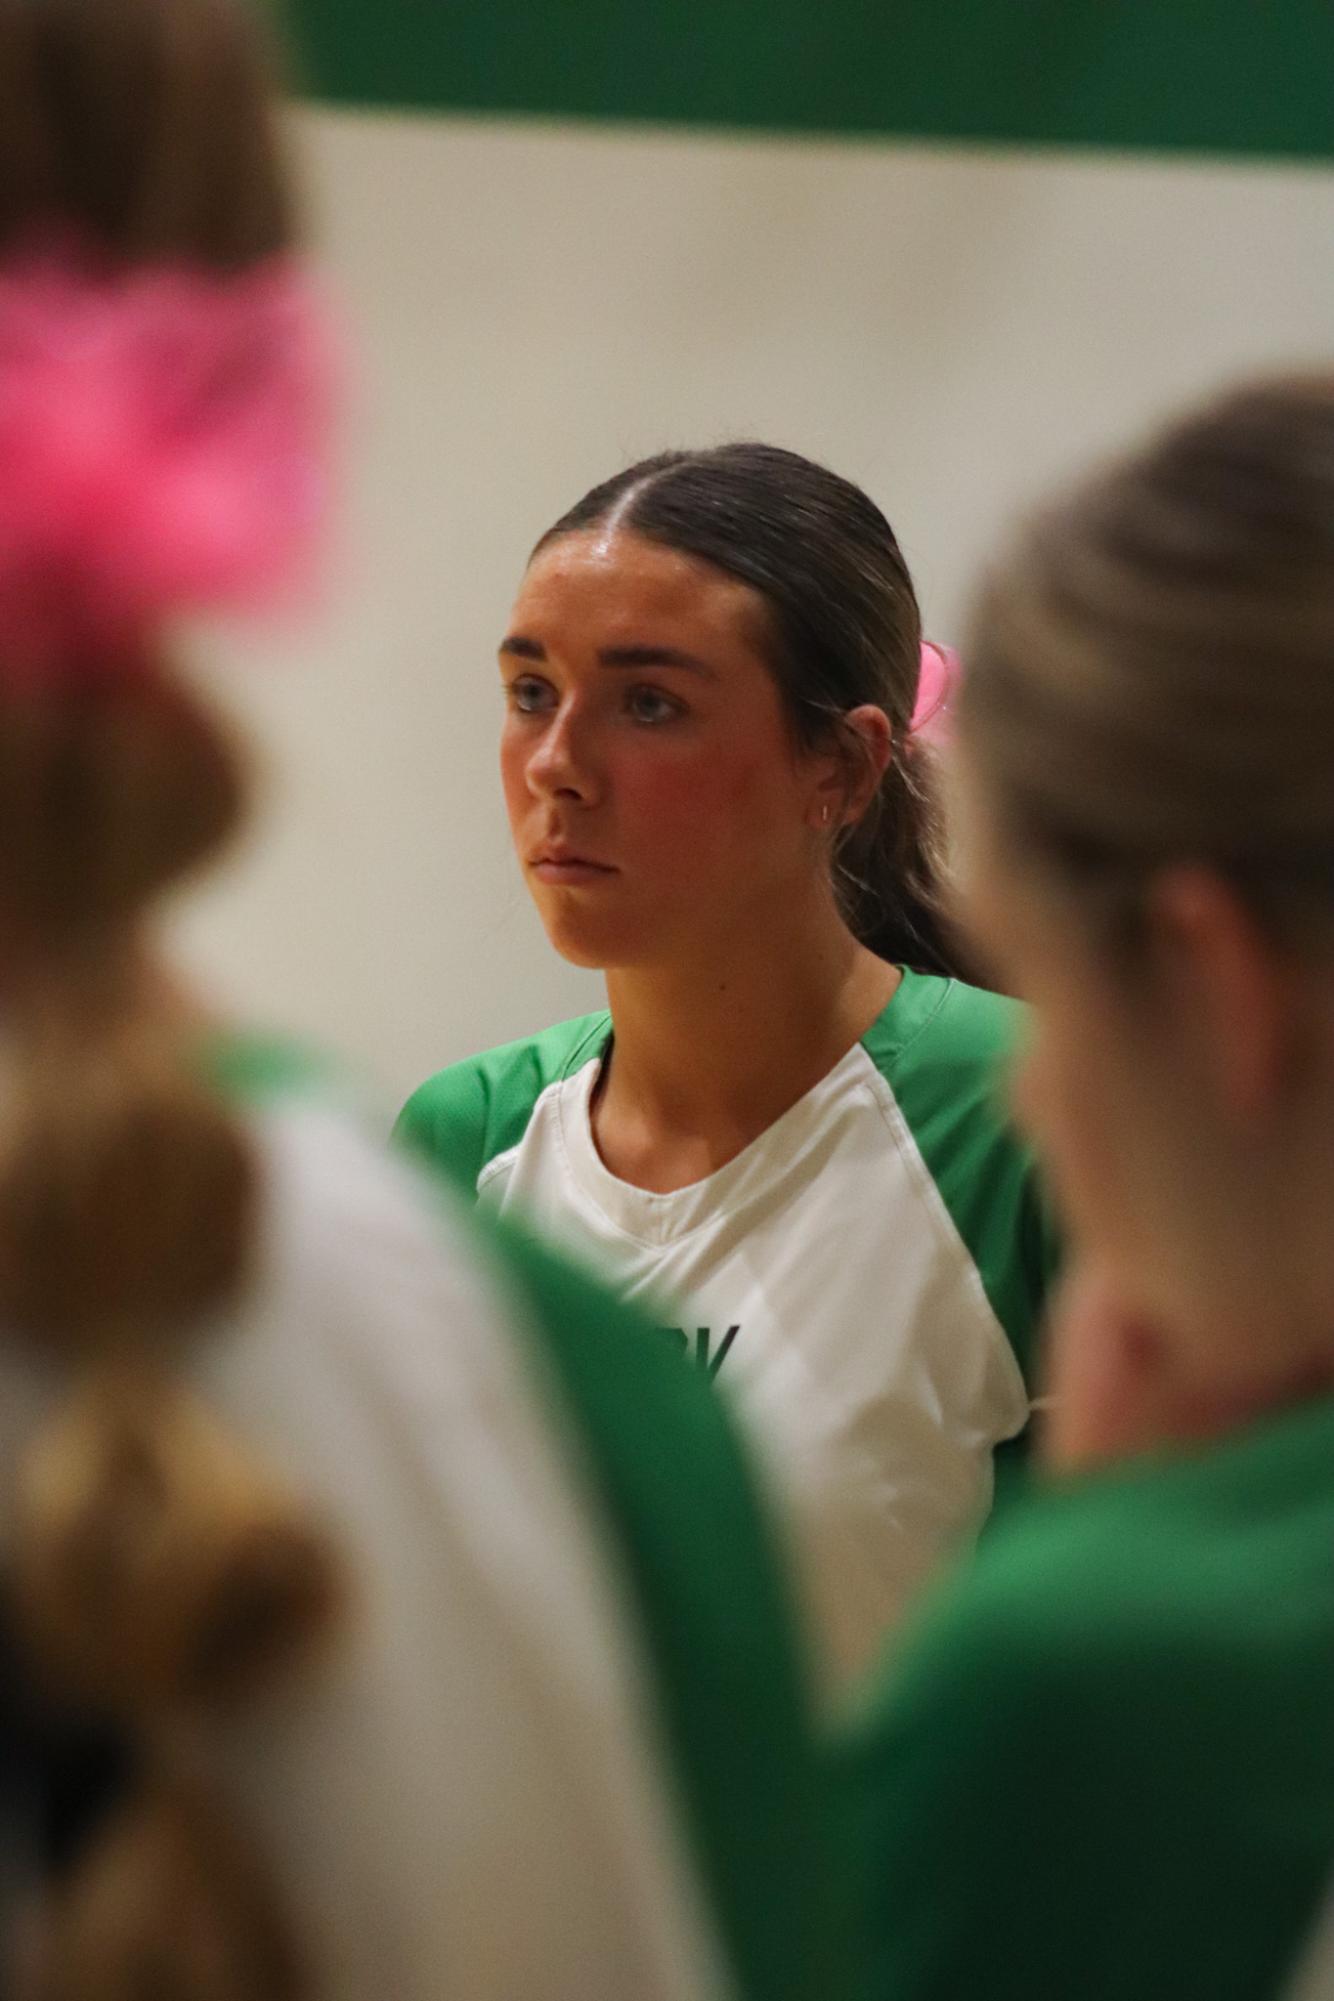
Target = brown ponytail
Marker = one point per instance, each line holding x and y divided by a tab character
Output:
171	1904
155	1575
148	126
890	867
114	1151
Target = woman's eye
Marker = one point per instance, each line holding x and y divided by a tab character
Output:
650	705
529	694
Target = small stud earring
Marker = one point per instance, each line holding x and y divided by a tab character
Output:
824	816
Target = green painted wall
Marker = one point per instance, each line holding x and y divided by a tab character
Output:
1218	76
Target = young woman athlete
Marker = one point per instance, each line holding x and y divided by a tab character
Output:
1106	1765
356	1637
782	1136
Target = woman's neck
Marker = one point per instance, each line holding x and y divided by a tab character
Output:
705	1060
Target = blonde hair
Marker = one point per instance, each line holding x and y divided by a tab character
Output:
1151	665
156	1575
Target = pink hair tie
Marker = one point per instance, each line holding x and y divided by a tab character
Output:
938	679
164	446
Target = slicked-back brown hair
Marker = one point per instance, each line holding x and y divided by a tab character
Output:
1151	667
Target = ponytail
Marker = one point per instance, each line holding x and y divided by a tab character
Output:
170	1903
156	1576
125	1193
889	870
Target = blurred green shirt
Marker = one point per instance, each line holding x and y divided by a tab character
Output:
1103	1769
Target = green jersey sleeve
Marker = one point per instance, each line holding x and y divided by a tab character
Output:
945	1049
466	1115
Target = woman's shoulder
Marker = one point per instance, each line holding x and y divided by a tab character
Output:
454	1328
437	1386
1105	1717
1128	1563
943	1048
469	1112
252	1066
944	1026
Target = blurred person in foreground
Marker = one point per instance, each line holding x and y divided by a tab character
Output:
380	1614
1105	1767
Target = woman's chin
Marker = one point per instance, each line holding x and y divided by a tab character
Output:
582	944
598	948
586	957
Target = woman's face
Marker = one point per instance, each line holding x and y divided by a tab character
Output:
659	806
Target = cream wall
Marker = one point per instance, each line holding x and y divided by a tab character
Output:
530	308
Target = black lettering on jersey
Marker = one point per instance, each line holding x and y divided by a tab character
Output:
706	1355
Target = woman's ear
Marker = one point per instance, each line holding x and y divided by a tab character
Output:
1230	983
853	776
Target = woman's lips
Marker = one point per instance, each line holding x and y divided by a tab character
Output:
570	871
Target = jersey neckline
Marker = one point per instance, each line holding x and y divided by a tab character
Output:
658	1217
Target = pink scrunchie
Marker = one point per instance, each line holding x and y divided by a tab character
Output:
164	447
935	691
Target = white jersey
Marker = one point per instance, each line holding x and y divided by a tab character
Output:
859	1278
470	1796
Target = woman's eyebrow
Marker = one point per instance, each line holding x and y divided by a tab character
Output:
519	647
655	656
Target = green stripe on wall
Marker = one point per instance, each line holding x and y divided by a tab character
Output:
1218	76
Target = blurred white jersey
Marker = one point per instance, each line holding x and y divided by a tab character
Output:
467	1798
